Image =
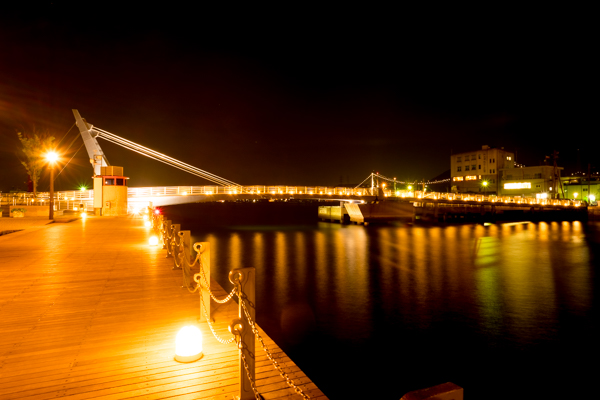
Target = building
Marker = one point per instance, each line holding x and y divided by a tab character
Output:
582	187
479	171
541	181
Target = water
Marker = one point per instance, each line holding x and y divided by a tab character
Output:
374	312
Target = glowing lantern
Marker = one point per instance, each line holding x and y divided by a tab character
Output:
188	344
153	241
147	224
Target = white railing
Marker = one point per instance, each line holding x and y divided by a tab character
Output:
67	200
256	190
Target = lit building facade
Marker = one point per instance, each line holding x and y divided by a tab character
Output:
469	170
539	181
582	187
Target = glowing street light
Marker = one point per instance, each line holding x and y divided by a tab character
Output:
485	185
51	157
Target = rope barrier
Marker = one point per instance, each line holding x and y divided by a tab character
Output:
175	246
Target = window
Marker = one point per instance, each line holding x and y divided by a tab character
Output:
457	178
480	156
466	167
458	159
109	181
473	167
457	169
471	178
473	157
508	158
479	166
120	181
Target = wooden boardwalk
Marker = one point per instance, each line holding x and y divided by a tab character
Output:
89	310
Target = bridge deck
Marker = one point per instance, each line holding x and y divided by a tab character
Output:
88	310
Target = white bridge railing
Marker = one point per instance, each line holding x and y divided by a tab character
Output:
77	199
255	190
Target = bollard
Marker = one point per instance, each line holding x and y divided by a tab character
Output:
165	229
173	240
183	253
204	249
244	279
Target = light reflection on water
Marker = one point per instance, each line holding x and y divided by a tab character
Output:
482	306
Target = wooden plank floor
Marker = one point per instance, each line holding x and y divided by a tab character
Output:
89	310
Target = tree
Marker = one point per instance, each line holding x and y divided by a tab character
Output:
34	147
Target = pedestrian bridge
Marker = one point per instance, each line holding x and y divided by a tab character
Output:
139	197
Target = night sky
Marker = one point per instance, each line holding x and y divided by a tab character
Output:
296	94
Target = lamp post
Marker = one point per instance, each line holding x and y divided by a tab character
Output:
51	157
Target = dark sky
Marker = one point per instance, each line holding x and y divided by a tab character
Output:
296	95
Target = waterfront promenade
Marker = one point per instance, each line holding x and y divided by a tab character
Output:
89	310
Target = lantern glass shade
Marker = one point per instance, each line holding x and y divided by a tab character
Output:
188	344
153	241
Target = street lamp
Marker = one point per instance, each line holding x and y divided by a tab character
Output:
51	157
485	185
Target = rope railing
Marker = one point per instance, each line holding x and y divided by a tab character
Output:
244	329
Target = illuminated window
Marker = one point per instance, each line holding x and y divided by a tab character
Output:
508	158
517	185
109	181
471	177
457	178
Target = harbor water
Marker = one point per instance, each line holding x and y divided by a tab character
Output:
504	310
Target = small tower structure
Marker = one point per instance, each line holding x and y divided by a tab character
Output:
114	191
